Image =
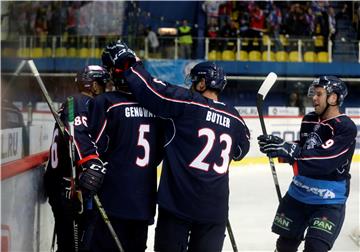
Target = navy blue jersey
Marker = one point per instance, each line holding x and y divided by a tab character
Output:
202	138
129	138
322	169
59	159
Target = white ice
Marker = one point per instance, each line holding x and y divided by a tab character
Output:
253	203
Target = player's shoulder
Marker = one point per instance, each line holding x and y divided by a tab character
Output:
227	109
343	121
311	117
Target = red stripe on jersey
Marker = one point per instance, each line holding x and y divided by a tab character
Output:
87	158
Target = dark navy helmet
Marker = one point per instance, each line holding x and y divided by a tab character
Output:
331	84
92	73
214	75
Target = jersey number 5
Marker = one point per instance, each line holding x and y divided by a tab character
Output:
199	163
144	128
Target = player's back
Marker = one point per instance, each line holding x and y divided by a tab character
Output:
129	138
199	147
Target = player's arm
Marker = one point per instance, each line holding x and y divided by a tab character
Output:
243	144
84	143
161	98
93	169
320	160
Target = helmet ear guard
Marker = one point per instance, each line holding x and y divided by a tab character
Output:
331	84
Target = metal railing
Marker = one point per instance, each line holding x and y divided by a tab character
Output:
282	49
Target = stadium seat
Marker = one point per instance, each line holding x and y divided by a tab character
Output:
9	52
243	55
218	55
71	52
23	52
255	42
60	52
255	55
323	57
284	41
47	52
266	40
310	56
281	56
294	56
319	41
265	56
212	55
228	55
84	53
37	52
97	53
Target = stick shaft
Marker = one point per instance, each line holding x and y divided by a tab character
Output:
108	223
259	105
231	236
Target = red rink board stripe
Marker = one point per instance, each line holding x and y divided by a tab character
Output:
16	167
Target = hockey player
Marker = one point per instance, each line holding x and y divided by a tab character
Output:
321	161
90	82
129	139
203	137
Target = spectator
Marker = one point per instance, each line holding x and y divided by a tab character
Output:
295	100
185	40
257	23
153	40
274	23
230	32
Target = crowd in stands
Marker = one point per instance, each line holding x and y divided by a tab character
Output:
59	18
253	19
226	21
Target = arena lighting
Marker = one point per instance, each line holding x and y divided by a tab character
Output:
167	31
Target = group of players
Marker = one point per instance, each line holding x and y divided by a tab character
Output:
121	137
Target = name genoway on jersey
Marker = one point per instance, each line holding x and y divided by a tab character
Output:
137	112
218	119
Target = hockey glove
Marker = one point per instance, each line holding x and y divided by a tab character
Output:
123	57
92	176
274	146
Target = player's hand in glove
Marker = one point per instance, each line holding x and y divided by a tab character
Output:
121	55
92	177
274	146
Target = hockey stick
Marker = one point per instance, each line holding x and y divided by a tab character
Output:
62	130
231	236
264	89
70	104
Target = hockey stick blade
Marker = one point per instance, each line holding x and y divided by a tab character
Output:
267	84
